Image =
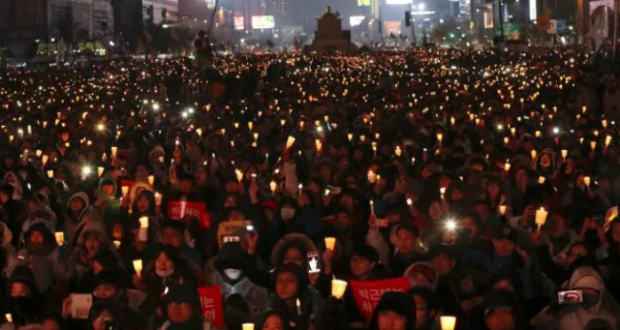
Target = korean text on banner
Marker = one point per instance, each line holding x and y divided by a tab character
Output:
212	307
177	210
368	293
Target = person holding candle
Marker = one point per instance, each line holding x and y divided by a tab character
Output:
107	205
182	309
42	252
294	299
24	301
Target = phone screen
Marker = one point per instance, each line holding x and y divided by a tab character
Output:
313	262
570	297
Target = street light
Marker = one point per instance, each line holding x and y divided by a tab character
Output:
111	43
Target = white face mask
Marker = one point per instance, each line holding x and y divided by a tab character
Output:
164	273
233	274
287	213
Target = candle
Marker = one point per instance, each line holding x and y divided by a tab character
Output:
124	190
330	243
586	180
447	322
38	153
117	244
398	151
199	132
592	145
372	207
371	176
300	188
157	199
338	288
289	142
502	210
143	232
607	140
50	174
507	166
9	317
298	304
114	151
137	265
44	159
541	217
60	237
564	153
100	171
537	134
533	153
247	326
541	179
442	192
604	123
439	137
273	185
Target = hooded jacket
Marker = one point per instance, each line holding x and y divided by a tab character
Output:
576	317
44	258
15	181
71	221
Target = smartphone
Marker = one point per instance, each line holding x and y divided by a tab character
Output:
570	297
313	263
382	223
249	229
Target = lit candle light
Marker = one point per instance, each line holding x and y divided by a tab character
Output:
541	217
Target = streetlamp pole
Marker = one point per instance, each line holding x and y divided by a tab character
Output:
217	3
501	20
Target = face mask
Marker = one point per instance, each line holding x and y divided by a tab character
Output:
164	273
287	213
232	274
589	300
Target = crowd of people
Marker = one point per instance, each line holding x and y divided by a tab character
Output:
486	182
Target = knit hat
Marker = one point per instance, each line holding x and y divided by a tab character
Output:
24	275
425	269
230	256
506	233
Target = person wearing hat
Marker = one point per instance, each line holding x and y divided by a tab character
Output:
459	287
182	309
230	277
395	311
501	311
422	274
40	249
506	254
24	300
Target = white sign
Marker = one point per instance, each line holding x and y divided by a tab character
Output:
356	20
263	22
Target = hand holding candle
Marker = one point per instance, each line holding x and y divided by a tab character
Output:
143	232
330	243
137	265
541	217
338	288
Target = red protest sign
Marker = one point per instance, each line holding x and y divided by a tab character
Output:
212	307
177	210
368	293
128	183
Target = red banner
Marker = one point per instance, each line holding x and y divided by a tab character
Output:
178	210
212	306
368	293
128	183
